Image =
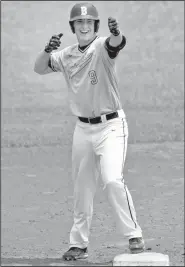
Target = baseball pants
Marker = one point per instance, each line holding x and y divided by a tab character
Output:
99	152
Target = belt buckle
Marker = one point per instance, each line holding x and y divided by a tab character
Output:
103	118
121	113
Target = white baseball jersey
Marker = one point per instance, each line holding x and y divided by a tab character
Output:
91	78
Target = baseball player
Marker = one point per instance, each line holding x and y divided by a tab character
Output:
101	132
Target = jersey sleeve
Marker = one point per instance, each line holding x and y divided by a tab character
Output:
55	61
114	51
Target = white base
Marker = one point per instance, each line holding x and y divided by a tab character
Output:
141	259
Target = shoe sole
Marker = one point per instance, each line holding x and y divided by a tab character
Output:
73	258
137	250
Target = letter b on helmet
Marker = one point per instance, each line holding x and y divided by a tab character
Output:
84	11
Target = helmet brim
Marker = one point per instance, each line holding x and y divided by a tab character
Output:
84	17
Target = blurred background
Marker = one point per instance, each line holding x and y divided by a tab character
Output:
150	69
37	128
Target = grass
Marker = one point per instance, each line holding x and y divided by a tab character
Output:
150	70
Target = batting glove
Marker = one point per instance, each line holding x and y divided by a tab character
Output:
54	43
113	26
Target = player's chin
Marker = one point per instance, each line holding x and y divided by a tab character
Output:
87	37
84	36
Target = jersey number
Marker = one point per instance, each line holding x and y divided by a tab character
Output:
93	77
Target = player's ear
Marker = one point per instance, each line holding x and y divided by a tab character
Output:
96	25
71	23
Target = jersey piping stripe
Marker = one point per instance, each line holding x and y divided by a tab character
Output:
82	51
124	156
51	65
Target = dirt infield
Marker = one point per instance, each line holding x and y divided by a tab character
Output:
37	203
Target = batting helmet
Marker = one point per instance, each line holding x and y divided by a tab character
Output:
84	11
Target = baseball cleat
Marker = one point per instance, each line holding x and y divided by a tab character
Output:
75	253
136	245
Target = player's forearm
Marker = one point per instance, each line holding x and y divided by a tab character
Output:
42	60
115	40
41	63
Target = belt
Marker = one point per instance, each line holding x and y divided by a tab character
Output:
100	119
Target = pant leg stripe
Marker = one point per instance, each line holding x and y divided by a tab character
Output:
124	156
129	207
124	146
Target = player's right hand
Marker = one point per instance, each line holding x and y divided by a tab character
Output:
54	43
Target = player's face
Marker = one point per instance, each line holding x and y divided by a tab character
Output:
84	29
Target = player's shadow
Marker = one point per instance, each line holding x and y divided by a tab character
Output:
50	262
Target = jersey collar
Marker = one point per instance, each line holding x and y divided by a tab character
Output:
84	48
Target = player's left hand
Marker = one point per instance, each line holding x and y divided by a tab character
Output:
113	26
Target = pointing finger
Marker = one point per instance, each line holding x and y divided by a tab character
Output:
60	35
111	19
